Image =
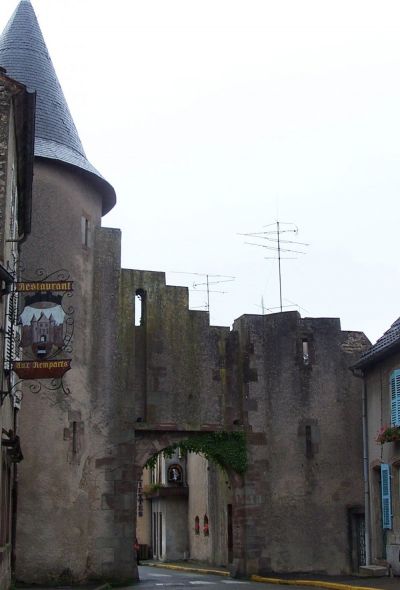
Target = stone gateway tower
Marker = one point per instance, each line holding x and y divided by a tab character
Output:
136	387
56	527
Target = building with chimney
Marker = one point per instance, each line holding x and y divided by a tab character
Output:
272	398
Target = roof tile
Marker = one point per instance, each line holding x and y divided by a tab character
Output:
382	346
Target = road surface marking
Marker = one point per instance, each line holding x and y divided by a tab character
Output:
171	584
161	575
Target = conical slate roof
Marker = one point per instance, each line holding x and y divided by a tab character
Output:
24	55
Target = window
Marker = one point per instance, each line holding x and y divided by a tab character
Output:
74	438
309	445
306	352
85	229
395	397
174	474
206	529
386	496
197	526
140	307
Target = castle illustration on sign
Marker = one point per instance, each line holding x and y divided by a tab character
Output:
42	327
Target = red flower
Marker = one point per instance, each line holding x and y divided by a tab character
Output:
388	434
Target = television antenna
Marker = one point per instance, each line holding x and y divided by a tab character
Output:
273	236
209	280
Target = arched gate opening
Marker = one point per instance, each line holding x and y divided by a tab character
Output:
189	507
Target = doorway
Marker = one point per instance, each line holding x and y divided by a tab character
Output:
357	538
230	534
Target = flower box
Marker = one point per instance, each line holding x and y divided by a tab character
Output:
388	434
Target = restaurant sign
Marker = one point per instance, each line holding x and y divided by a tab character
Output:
46	327
41	369
42	286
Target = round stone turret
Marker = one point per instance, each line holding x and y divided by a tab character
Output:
24	55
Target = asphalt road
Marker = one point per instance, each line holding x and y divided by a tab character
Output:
152	578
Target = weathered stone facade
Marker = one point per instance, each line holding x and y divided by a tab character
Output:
61	463
304	413
16	162
210	495
301	415
136	389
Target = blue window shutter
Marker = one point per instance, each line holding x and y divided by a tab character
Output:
386	491
395	397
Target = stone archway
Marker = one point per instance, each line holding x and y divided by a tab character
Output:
151	442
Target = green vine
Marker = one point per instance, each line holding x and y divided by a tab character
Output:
227	449
152	488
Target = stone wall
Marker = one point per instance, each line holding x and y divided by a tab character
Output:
199	544
137	389
209	495
178	358
286	381
143	524
303	412
58	488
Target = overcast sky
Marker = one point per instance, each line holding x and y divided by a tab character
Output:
218	117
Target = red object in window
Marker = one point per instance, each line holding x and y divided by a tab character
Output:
197	526
206	529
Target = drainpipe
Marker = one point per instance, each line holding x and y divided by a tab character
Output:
14	506
366	474
367	503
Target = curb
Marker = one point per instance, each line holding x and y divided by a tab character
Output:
313	583
184	568
105	586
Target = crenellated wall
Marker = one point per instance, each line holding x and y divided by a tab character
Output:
138	385
136	389
284	380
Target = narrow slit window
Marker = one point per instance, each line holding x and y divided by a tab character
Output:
85	228
140	307
309	446
138	310
306	352
74	438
